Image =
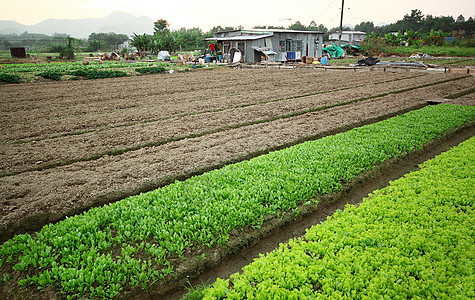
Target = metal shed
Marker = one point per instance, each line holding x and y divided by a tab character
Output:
18	52
280	45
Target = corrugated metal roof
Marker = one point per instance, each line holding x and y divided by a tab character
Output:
257	30
240	37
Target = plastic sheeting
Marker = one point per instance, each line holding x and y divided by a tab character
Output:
163	55
352	46
369	61
334	50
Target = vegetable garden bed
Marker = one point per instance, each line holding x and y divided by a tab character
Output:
412	239
131	244
28	73
68	146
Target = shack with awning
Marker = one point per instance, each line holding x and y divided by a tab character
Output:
277	45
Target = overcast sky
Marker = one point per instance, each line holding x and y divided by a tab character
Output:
248	13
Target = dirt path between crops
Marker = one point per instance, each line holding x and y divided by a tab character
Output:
31	199
388	172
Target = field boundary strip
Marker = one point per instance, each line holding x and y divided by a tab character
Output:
120	151
412	238
461	94
204	111
131	244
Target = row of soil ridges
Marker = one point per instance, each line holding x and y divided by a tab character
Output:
93	144
412	239
146	242
69	146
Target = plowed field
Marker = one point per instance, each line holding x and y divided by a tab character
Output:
67	146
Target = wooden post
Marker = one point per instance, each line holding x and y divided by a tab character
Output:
341	22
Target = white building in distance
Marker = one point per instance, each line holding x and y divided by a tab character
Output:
348	37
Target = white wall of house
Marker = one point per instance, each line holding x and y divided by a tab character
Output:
352	37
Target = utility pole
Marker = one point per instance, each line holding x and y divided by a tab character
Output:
341	22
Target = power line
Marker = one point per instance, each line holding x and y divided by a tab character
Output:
325	9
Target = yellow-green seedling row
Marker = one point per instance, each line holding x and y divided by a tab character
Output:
412	239
133	242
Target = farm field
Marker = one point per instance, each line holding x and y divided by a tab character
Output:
143	242
67	146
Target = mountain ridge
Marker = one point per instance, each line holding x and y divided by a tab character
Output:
118	22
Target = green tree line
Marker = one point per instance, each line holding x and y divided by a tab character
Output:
417	26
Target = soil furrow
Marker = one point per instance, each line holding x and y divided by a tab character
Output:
94	145
51	120
36	198
223	106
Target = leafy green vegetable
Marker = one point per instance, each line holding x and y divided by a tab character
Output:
129	243
55	75
145	70
96	74
10	78
10	73
412	239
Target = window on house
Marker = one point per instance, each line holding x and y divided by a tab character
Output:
290	45
298	45
282	46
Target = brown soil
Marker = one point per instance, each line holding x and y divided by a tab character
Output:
131	112
61	150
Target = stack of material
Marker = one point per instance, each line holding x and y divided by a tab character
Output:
308	60
369	61
110	56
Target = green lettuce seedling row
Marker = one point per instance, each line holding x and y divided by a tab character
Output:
15	72
412	239
132	243
73	66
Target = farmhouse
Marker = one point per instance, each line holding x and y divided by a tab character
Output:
255	45
348	37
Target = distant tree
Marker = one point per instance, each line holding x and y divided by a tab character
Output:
216	29
445	24
68	51
314	27
7	44
337	29
413	21
192	38
275	27
142	42
297	26
160	26
95	45
105	41
465	29
367	27
460	19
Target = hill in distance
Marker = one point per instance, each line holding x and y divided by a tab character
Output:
118	22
